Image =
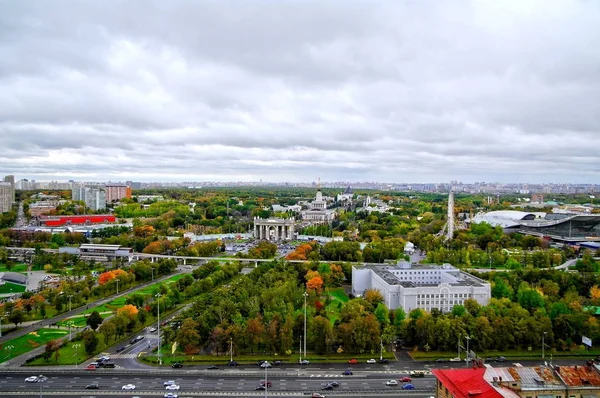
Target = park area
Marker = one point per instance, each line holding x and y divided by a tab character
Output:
21	345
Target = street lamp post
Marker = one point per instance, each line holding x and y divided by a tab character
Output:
158	328
468	339
152	269
70	296
305	296
543	344
266	383
41	381
117	286
76	347
380	348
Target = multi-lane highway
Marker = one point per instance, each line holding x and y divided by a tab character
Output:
238	382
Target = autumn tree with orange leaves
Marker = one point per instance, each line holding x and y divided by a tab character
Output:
111	275
129	311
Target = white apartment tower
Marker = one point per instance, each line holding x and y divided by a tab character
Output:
7	193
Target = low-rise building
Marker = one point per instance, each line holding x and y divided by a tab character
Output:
426	286
546	381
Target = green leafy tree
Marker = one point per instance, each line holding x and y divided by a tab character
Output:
94	320
90	341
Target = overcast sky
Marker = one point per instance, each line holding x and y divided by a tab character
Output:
389	91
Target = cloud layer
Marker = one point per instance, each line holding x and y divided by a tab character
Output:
396	91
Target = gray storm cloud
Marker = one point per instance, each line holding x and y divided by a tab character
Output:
395	91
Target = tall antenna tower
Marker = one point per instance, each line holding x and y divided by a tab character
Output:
450	221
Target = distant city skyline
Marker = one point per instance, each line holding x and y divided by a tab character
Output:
360	90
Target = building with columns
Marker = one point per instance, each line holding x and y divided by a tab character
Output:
318	212
275	229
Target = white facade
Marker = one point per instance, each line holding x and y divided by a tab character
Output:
413	286
317	211
94	198
6	196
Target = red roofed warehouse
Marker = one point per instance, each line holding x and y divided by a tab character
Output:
59	221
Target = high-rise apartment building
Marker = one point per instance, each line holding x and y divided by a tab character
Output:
114	193
7	193
94	198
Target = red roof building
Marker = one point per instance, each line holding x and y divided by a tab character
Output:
59	221
464	383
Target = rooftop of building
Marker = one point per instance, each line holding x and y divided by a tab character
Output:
586	375
467	383
454	276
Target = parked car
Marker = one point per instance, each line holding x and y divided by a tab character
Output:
405	379
92	386
177	365
391	383
408	387
353	361
371	361
347	372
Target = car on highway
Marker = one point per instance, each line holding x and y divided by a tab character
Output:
152	330
334	383
327	387
391	383
353	361
455	359
92	386
304	362
266	364
31	379
500	359
317	395
278	363
408	387
91	367
269	383
260	388
177	365
384	361
442	360
128	387
213	367
233	363
136	339
169	383
121	348
371	361
418	373
347	372
172	387
170	395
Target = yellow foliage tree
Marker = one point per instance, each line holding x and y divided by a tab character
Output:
595	293
130	311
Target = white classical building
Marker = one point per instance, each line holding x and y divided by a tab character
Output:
318	211
276	229
425	286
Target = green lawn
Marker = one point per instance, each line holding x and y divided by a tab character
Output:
9	287
338	299
508	354
15	268
20	345
70	354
